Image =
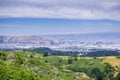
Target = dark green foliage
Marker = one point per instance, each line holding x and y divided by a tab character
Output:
118	57
69	61
97	74
60	61
31	56
33	63
94	57
54	52
69	53
109	70
76	68
45	54
2	63
19	59
103	53
93	67
46	61
3	56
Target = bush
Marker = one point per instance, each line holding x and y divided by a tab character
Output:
97	74
14	73
69	61
19	60
118	57
45	54
109	70
3	56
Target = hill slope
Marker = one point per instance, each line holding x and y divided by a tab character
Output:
27	65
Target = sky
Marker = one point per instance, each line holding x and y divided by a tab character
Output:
42	17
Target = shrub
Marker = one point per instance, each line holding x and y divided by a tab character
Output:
69	61
45	54
3	56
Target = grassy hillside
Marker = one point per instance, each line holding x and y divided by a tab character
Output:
26	65
30	65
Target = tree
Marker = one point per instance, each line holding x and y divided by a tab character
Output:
60	61
3	55
94	57
97	74
46	61
69	61
31	56
109	70
45	54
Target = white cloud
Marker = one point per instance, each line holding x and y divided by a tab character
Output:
68	9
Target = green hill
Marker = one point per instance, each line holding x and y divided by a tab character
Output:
27	65
31	65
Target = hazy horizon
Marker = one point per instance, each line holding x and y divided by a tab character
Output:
33	26
38	17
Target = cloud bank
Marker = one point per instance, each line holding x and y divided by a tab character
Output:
64	9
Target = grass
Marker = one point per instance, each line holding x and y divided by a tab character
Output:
114	61
89	63
56	67
64	57
35	66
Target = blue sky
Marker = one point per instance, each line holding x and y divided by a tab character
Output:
40	17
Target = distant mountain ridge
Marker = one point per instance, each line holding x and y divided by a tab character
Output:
25	39
89	37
